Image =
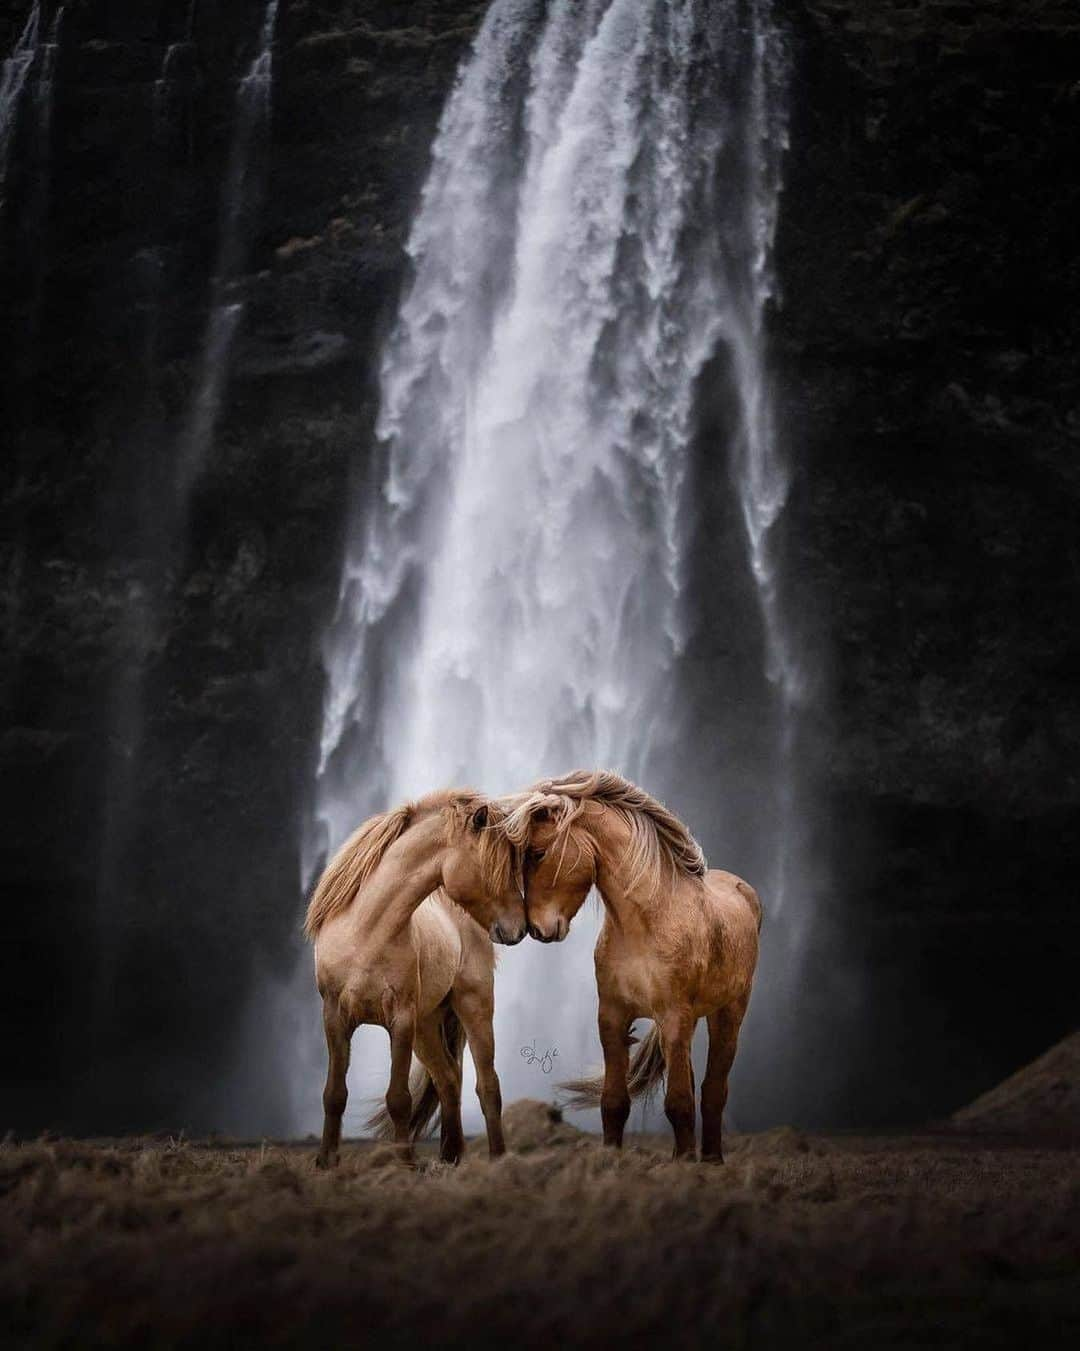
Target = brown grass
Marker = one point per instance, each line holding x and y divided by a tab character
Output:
797	1242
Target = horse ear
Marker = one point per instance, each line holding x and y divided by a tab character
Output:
479	819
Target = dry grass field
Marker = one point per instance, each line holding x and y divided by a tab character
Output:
928	1241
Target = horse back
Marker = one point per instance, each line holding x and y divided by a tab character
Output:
736	892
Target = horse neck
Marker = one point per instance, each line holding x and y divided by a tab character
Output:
630	906
409	871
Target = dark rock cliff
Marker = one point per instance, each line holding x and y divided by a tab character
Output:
925	356
928	356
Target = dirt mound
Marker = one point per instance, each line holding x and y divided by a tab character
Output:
1042	1099
529	1124
785	1141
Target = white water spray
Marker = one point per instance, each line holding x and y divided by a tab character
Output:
596	223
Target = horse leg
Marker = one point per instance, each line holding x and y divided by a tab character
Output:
614	1025
336	1093
446	1077
676	1033
723	1037
476	1009
398	1096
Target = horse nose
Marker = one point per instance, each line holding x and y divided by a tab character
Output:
501	935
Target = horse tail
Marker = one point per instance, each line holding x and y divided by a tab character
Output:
425	1099
646	1073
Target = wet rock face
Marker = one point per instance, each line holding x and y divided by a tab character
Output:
161	701
925	353
925	349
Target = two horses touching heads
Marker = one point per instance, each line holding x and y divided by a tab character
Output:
406	914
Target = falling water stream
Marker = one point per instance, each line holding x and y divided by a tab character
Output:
242	195
597	222
176	54
14	75
27	89
43	94
165	498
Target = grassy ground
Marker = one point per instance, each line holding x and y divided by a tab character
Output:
797	1242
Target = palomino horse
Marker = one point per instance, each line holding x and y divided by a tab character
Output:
679	942
422	965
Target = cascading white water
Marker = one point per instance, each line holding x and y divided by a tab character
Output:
597	221
241	197
13	77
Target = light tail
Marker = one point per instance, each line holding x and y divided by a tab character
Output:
646	1073
425	1100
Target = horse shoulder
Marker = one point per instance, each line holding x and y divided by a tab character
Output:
438	939
476	969
337	952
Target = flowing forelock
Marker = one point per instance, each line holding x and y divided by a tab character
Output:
659	842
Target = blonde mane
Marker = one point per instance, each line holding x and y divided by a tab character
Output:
360	855
658	839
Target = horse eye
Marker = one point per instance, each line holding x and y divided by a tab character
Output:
536	855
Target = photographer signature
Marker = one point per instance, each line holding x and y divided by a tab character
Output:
545	1060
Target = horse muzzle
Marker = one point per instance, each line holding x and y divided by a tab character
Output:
554	935
507	938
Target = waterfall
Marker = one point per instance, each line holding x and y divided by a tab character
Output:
27	90
29	52
597	222
43	94
176	54
761	475
242	194
13	77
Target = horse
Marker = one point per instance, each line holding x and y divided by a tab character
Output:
403	920
679	942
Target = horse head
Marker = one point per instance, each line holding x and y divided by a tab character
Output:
481	868
558	859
